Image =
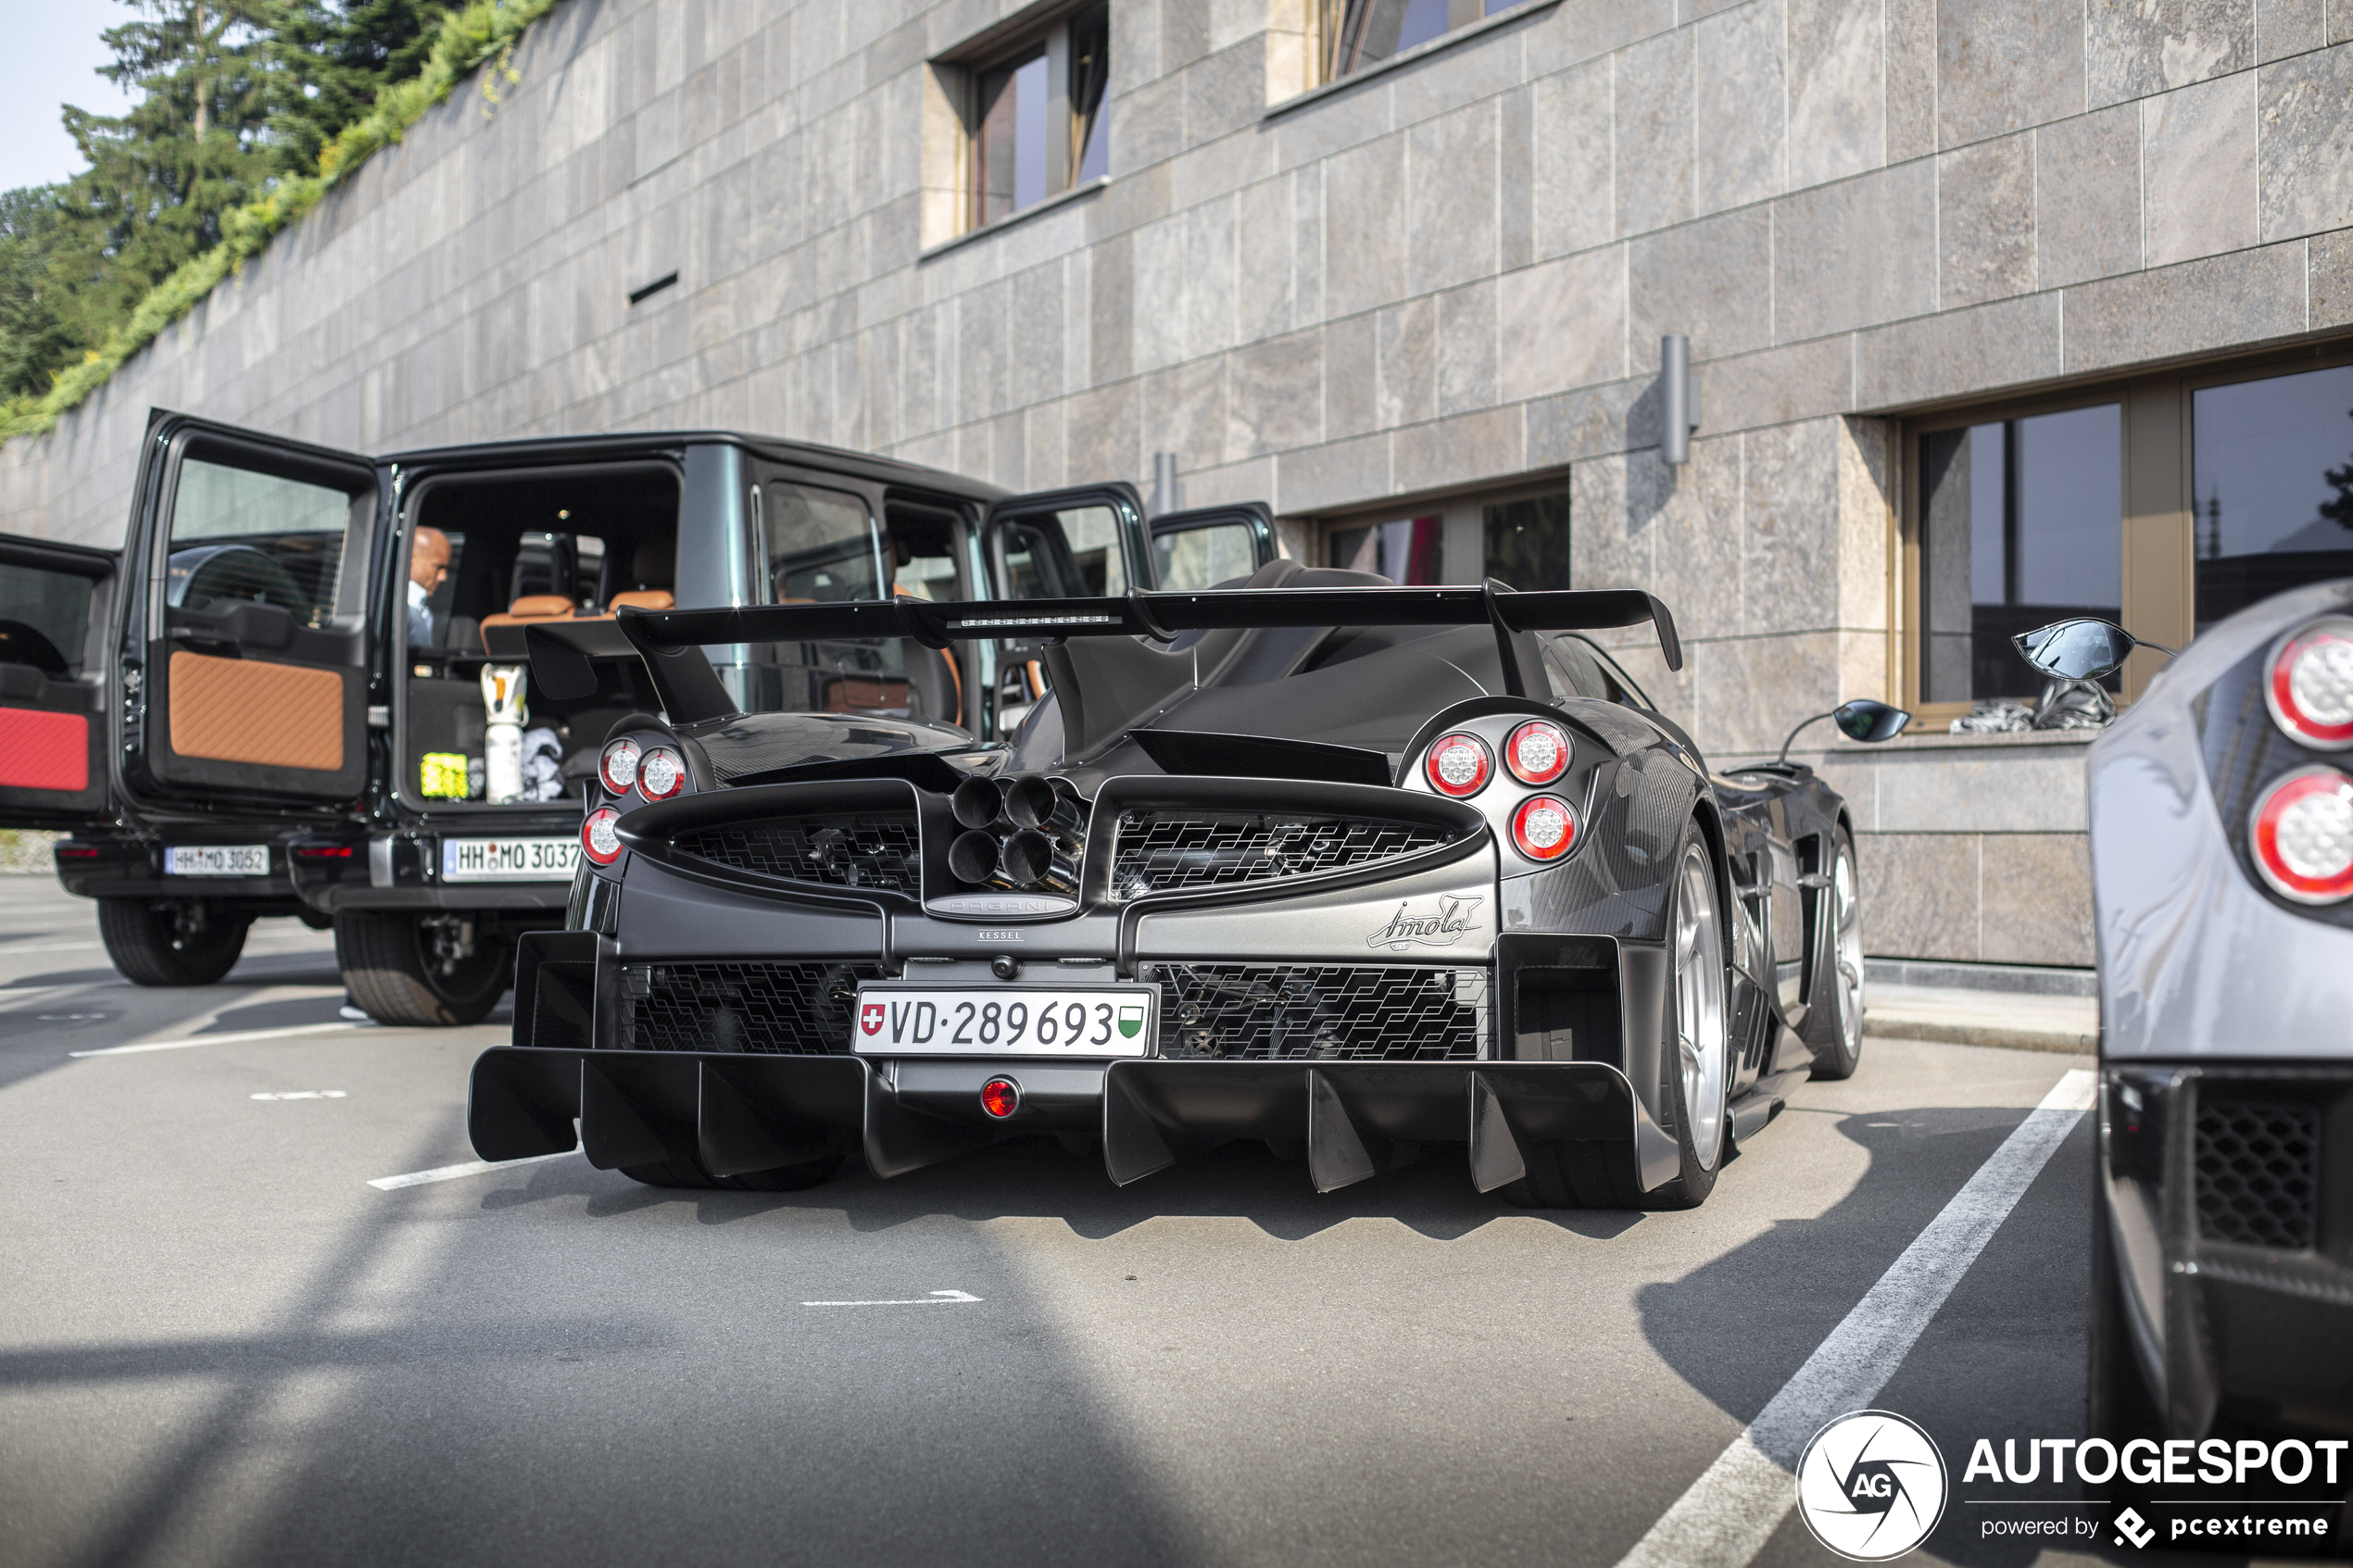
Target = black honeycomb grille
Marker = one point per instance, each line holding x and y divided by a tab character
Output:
771	1008
865	850
2258	1172
1168	851
1321	1012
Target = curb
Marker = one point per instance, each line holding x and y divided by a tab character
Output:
1904	1026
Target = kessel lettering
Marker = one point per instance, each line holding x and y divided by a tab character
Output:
1442	928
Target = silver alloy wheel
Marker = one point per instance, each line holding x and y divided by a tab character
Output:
1846	909
1701	1035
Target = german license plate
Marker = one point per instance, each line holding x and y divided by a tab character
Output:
217	860
1080	1021
509	860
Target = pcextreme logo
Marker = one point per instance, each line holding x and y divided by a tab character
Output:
1872	1486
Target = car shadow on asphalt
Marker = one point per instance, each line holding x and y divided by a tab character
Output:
1037	1178
2001	1357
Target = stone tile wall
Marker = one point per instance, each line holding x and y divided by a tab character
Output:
1445	275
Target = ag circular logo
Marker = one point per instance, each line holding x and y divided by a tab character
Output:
1870	1485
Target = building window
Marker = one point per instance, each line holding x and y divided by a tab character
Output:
1527	542
1520	537
1038	126
1410	550
1358	34
2021	525
2270	488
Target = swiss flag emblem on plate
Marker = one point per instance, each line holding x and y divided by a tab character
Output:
870	1017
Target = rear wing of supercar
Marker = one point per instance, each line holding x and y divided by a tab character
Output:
1106	679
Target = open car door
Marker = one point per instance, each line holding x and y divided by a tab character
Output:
55	609
1081	543
246	642
1211	546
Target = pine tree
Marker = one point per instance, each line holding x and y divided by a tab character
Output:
333	57
161	174
35	335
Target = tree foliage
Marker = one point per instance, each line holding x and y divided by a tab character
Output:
247	111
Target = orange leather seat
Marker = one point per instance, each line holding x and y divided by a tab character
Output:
642	598
526	609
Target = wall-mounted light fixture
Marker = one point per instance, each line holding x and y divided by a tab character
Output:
1168	494
1678	399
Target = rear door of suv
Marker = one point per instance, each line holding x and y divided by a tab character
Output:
55	603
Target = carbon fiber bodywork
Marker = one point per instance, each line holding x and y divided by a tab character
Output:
1349	968
2225	1186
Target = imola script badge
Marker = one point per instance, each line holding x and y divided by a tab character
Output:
1440	927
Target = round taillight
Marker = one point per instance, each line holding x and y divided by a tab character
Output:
2311	688
1001	1097
599	839
1537	753
662	774
2303	836
1544	827
618	766
1459	765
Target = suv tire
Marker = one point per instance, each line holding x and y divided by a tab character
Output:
149	946
390	971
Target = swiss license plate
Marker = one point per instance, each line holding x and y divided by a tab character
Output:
509	859
217	860
1079	1021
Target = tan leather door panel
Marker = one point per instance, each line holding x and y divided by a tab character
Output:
265	715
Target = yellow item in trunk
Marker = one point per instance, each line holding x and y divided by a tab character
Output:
444	776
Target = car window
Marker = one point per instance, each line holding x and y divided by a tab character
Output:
1579	668
823	545
1072	554
237	533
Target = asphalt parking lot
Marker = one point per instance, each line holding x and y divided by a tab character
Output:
220	1344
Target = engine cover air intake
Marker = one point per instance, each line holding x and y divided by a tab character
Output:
847	849
1163	849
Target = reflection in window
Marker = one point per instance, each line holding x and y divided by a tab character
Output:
45	619
2022	523
1358	34
823	546
238	535
1203	557
1527	542
2271	487
1038	121
1410	551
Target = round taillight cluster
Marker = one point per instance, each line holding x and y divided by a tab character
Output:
618	766
1459	765
600	839
2309	689
662	774
1536	752
1543	828
2302	834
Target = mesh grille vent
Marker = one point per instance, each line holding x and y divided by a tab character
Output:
2258	1168
1165	851
867	849
1322	1012
772	1008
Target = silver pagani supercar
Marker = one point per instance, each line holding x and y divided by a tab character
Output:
1347	868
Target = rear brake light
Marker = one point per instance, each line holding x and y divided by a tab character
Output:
323	851
1543	828
66	852
2302	836
618	766
2309	689
1537	753
662	774
1459	765
600	839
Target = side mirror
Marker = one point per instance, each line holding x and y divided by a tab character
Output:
2079	649
1867	720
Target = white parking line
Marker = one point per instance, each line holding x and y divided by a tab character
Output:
451	1172
1732	1510
224	1039
306	1094
937	1299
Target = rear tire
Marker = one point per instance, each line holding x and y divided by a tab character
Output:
150	944
388	966
1833	1030
688	1172
1695	1063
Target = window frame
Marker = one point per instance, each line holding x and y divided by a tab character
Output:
1048	31
2159	542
